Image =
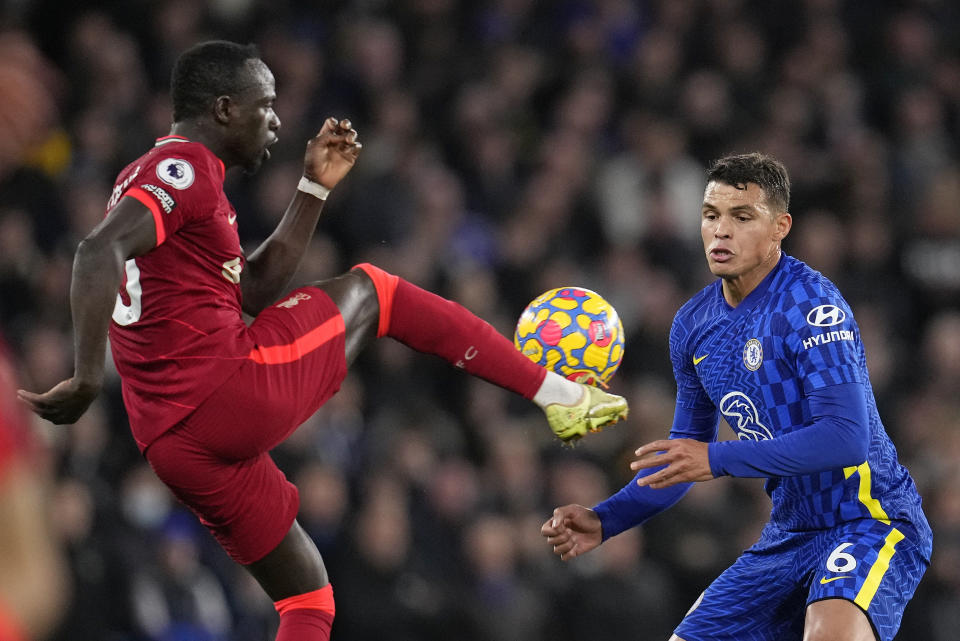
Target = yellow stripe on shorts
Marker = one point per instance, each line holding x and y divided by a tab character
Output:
869	589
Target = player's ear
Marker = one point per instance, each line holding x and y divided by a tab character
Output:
221	109
783	222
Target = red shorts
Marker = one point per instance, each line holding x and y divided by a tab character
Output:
216	462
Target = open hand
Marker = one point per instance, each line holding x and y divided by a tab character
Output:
331	153
64	404
686	460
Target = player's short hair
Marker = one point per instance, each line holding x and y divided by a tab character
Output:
206	71
766	172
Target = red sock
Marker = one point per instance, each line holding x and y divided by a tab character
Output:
305	625
306	617
434	325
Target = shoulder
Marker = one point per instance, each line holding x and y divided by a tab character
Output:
182	178
180	165
798	276
700	306
803	288
811	302
693	314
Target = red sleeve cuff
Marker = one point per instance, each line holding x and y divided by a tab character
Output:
151	204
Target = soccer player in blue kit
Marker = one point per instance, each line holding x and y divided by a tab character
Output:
773	347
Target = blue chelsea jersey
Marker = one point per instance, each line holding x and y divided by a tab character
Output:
756	364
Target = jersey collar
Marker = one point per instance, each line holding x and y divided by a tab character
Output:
166	140
751	300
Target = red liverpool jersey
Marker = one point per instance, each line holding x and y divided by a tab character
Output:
177	330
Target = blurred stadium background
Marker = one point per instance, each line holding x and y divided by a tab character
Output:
510	146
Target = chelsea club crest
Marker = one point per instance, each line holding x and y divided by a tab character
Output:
753	354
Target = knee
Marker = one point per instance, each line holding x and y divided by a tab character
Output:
353	294
383	287
836	620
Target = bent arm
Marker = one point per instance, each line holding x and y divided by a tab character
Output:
271	266
634	504
127	231
839	436
329	157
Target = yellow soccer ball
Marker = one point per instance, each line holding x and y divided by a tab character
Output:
573	331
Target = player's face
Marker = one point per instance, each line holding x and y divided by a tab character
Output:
741	232
256	124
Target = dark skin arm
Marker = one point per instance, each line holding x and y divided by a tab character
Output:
126	232
267	273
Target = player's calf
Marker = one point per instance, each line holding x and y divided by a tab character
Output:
434	325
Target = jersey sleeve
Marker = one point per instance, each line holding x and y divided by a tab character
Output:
177	188
823	339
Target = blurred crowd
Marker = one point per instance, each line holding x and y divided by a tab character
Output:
510	146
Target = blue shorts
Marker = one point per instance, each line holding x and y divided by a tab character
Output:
765	593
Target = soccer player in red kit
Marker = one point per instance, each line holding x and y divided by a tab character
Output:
208	396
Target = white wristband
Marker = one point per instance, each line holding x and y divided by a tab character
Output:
314	189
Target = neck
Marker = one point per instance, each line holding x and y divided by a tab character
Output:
737	288
204	133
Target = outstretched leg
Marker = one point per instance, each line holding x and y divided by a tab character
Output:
374	303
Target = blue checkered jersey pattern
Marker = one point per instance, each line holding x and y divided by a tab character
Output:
758	365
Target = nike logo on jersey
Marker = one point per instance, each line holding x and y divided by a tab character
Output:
231	218
824	580
697	359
